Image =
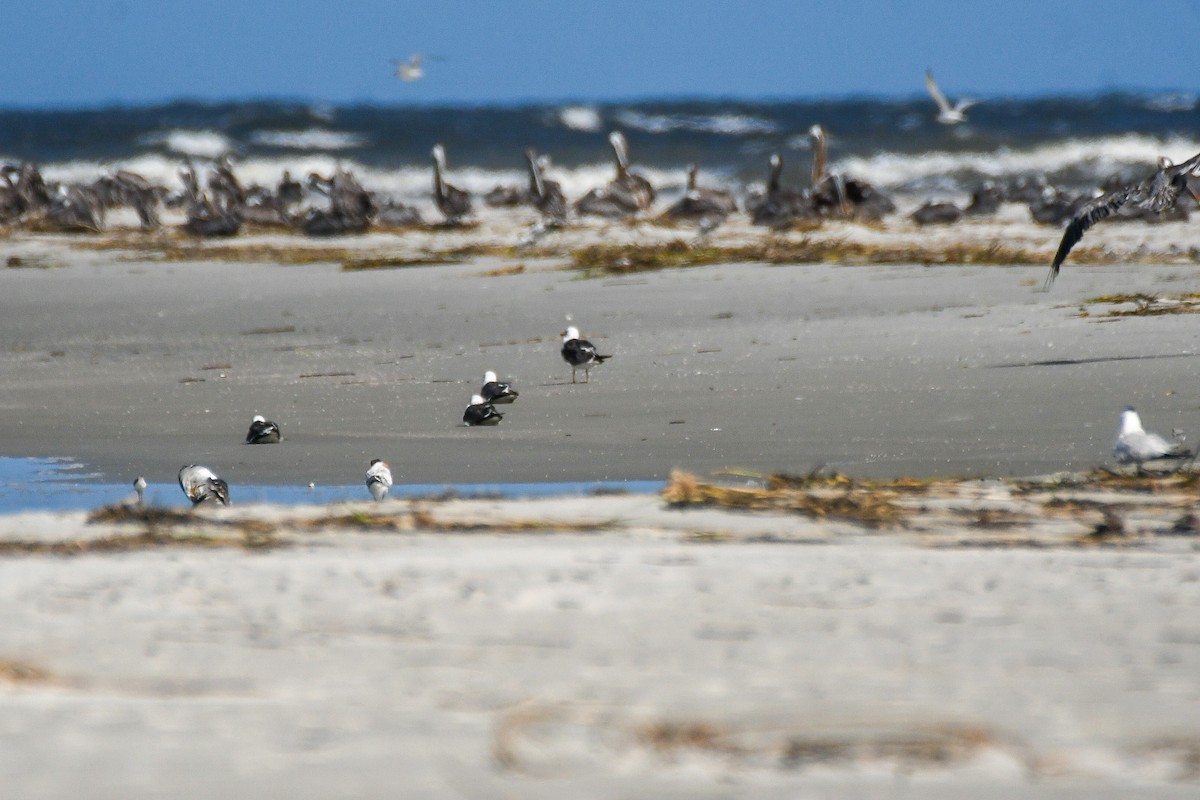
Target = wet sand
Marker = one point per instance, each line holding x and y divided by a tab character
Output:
135	366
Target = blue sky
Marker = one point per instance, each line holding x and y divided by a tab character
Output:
58	53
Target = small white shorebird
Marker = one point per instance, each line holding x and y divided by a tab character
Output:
379	479
139	486
947	114
1136	445
201	485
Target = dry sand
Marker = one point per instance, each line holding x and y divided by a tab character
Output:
607	647
616	648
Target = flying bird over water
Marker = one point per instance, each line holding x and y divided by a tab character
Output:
379	479
201	485
262	431
494	391
580	353
1136	445
947	114
411	70
1160	192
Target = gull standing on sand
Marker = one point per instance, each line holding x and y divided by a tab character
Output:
1136	445
139	486
494	391
262	431
379	479
947	114
580	353
1160	192
201	485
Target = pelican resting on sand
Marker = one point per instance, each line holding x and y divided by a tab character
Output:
623	196
1157	193
453	202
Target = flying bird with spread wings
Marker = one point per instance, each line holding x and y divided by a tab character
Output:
1160	192
947	114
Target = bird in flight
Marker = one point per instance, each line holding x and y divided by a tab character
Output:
947	114
413	69
1160	192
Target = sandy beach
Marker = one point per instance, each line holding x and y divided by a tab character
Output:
983	642
136	365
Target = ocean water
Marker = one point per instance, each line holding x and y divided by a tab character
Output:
896	144
56	484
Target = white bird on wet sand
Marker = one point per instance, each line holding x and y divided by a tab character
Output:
947	114
580	353
494	391
379	479
1136	445
262	431
139	486
481	412
201	485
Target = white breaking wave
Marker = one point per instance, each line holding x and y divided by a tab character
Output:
1172	101
312	139
724	124
580	118
1099	157
202	144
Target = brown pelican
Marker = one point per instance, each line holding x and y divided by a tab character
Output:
547	195
701	203
937	213
985	200
1136	445
201	485
379	479
1157	193
494	391
262	431
205	218
778	207
481	412
947	114
580	353
453	202
625	195
351	207
842	196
